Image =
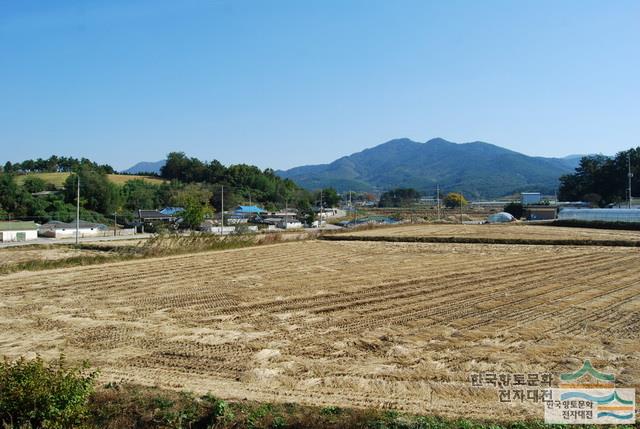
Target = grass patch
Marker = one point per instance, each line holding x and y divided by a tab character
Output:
47	264
58	179
55	395
174	244
121	179
117	406
156	246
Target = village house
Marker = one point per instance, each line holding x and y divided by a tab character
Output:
18	231
57	229
147	216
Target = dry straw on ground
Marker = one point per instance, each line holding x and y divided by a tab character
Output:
390	325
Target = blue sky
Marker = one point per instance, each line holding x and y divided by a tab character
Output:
285	83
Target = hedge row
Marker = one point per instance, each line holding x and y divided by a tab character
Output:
483	240
596	224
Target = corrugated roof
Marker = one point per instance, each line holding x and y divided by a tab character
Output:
249	209
152	214
171	210
18	226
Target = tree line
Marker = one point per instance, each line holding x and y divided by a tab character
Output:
601	180
189	183
405	197
54	164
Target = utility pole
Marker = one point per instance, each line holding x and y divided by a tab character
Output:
286	213
629	176
78	211
114	223
321	211
351	204
222	211
353	208
438	200
461	199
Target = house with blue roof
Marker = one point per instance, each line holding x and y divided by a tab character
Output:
248	210
171	211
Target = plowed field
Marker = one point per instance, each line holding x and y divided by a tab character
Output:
361	324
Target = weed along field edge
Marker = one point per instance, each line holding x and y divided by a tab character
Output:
402	326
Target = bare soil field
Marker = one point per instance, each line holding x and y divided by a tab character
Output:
390	325
511	231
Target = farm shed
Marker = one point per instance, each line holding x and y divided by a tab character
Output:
18	231
57	229
540	212
600	215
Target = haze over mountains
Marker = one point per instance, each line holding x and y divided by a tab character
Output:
478	169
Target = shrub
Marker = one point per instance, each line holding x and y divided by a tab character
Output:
454	199
514	209
40	395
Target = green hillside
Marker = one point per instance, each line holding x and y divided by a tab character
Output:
479	170
57	179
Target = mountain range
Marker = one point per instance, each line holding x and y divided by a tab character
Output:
146	167
478	169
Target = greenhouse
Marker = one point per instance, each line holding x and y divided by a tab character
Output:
600	215
501	217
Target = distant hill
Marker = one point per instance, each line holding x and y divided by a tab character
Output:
572	161
478	169
146	167
58	179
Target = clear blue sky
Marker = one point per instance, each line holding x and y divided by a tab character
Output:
285	83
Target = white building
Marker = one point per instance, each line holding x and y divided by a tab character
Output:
212	228
57	229
18	231
530	198
289	224
325	213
